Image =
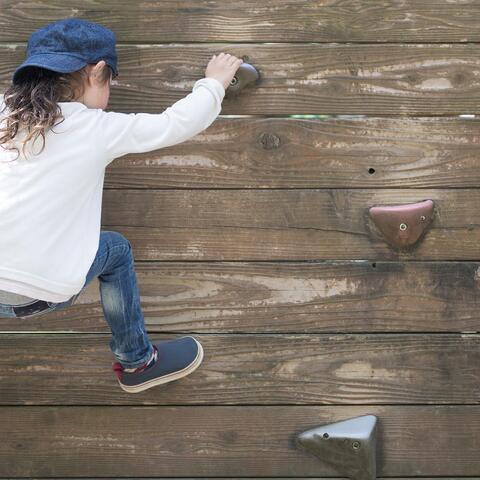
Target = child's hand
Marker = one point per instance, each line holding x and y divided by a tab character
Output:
223	68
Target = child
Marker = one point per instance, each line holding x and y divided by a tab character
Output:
51	190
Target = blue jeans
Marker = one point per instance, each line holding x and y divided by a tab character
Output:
114	267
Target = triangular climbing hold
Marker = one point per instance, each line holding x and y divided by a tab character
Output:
348	445
403	225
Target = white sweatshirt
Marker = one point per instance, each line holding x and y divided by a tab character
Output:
51	203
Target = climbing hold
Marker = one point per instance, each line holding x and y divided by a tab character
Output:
245	75
403	225
348	445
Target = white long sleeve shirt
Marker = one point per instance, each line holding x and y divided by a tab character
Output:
51	203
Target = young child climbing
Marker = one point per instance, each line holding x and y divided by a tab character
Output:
51	183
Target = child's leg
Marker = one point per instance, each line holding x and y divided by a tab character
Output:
114	267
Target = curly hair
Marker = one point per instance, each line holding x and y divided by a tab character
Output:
32	102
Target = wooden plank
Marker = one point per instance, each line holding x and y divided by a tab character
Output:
371	79
253	369
249	20
313	224
300	297
312	153
227	440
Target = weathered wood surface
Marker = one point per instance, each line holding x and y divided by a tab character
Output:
286	297
158	21
408	79
303	224
332	339
204	441
312	153
252	369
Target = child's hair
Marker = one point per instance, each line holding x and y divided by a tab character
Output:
32	101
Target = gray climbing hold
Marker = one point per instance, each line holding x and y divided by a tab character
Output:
245	75
348	445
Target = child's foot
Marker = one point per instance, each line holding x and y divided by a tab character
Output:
147	364
171	360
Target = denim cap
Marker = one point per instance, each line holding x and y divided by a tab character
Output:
69	44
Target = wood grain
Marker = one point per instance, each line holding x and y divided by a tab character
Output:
303	224
254	237
286	297
252	369
158	21
370	79
312	153
238	441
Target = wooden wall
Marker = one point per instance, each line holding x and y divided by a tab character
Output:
254	237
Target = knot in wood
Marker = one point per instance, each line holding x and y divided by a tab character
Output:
269	141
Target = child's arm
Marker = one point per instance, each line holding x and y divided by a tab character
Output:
122	133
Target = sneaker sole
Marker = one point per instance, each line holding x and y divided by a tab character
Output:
166	378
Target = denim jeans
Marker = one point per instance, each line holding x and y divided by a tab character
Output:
120	297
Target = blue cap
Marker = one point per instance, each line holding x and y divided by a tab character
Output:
67	45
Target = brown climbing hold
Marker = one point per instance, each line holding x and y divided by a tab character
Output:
403	225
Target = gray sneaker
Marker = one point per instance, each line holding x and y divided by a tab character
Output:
175	359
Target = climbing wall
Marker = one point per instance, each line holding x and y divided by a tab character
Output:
255	236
